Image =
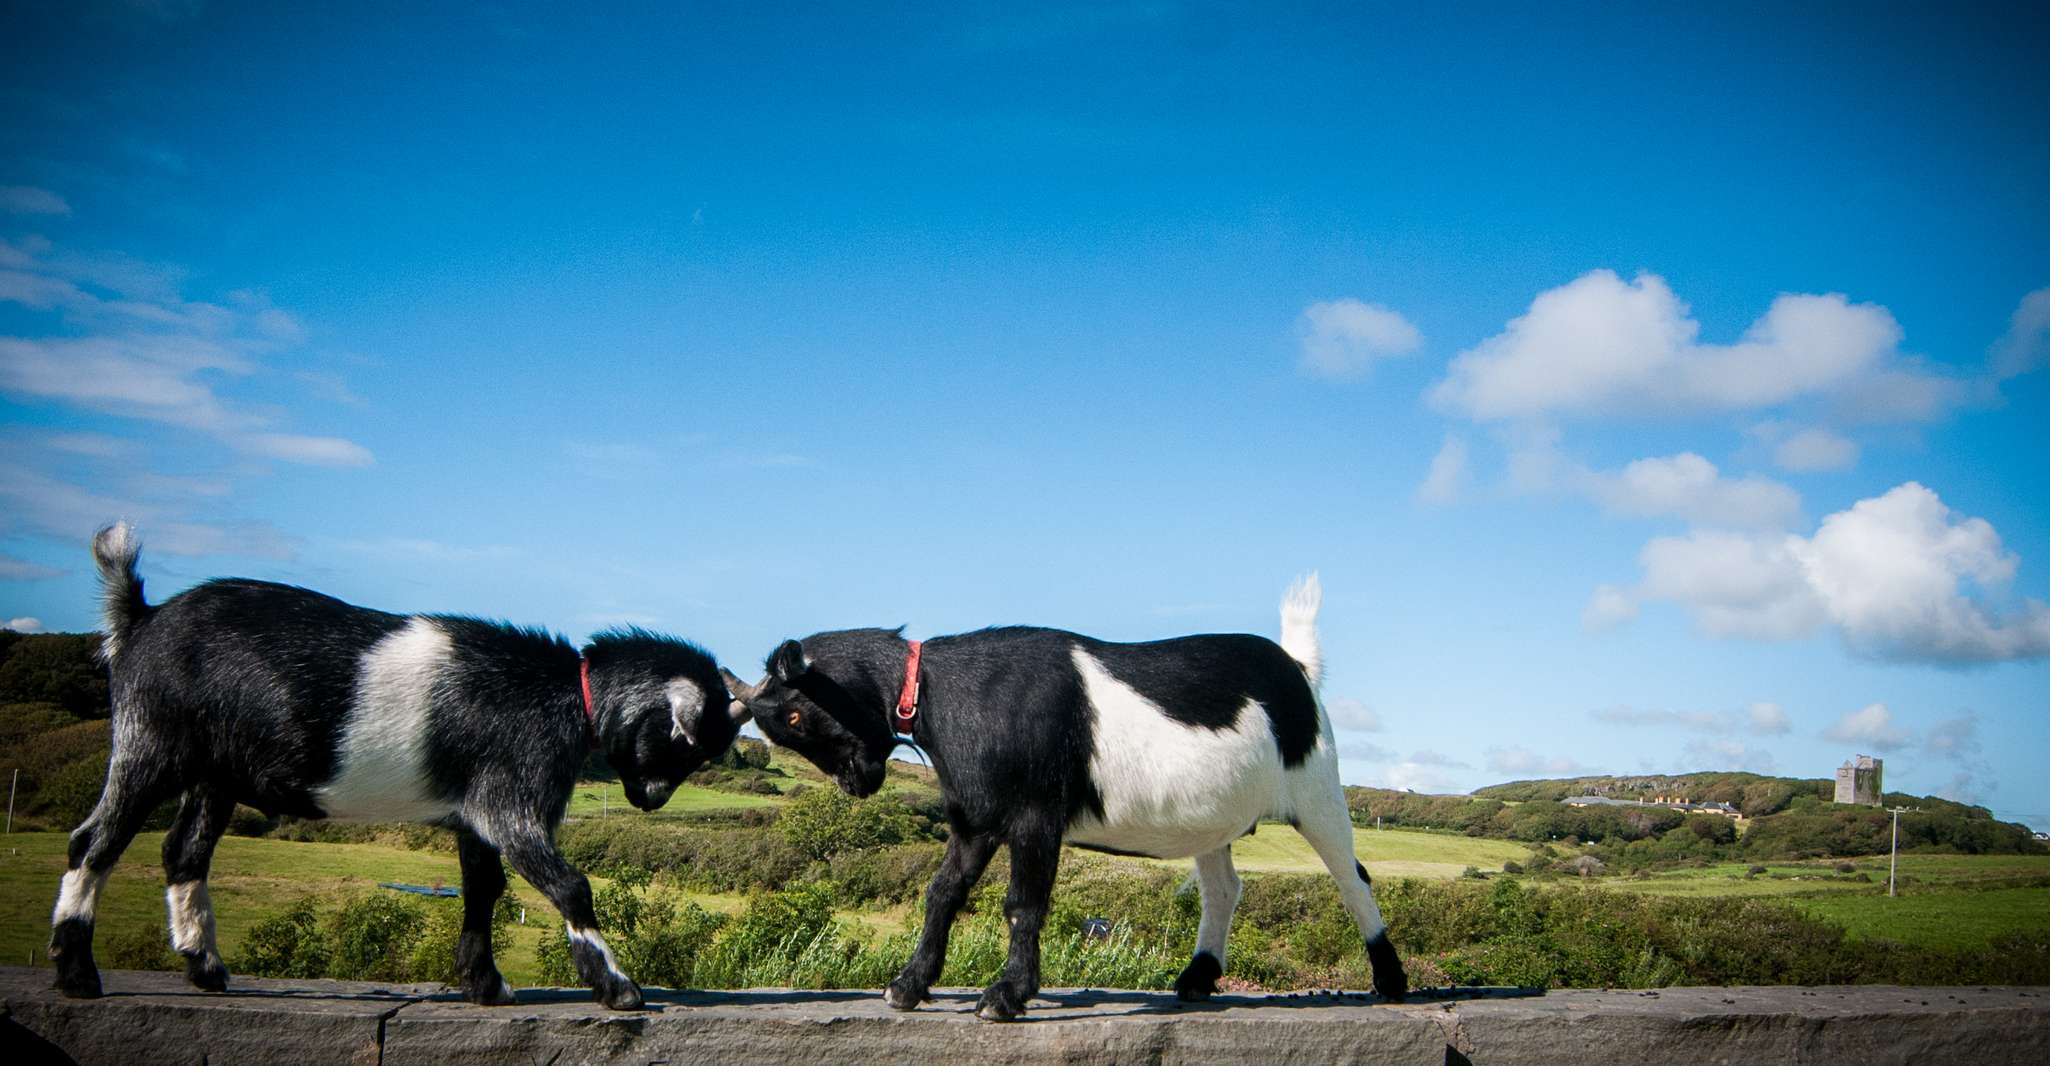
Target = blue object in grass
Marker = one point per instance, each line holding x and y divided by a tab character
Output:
421	890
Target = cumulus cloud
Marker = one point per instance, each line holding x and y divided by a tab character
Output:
1343	338
1523	761
1352	716
29	200
35	503
1366	752
1600	345
1763	719
1608	608
1900	576
1447	476
2026	344
1769	719
13	569
1811	450
1689	487
1870	727
24	624
1427	757
1414	776
1707	754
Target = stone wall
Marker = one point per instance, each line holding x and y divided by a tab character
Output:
156	1018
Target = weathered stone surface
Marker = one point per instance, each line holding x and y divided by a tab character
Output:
156	1018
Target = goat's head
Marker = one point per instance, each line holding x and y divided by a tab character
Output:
661	711
803	706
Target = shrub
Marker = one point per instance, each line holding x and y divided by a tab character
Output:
824	821
374	936
289	943
140	947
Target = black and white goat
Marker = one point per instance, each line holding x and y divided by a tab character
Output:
297	703
1168	749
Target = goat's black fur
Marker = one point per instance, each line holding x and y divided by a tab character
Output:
293	702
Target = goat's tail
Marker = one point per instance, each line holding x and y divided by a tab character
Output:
115	549
1299	625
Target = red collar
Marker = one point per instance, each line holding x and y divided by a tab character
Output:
907	700
584	671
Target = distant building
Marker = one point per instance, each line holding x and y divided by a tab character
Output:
1668	802
1857	781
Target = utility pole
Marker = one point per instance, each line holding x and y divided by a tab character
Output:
1893	859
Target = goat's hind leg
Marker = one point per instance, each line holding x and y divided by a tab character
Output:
1220	886
1035	860
483	884
1329	832
131	790
188	853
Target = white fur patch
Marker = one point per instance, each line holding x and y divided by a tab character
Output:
191	911
686	707
1172	790
381	769
591	939
78	895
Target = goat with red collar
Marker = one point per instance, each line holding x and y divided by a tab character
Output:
296	703
1168	749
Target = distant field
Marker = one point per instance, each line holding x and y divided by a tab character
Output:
593	799
1945	901
1386	853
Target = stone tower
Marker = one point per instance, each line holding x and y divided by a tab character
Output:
1857	781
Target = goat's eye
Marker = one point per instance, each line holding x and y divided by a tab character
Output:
795	718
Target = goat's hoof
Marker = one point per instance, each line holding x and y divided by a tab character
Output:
999	1004
76	985
901	995
206	973
623	996
1199	978
491	991
1390	983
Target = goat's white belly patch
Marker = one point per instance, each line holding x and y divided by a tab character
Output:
1169	789
381	767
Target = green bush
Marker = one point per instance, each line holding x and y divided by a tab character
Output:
825	821
290	943
139	947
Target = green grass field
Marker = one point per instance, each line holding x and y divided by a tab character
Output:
1945	900
595	799
1386	852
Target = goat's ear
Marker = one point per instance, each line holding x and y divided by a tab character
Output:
686	707
788	663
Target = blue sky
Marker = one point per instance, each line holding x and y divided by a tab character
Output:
1653	391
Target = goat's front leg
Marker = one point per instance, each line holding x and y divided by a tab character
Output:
534	857
483	884
1035	859
967	855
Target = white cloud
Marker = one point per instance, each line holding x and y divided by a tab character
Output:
1599	345
1769	719
1521	760
1447	475
29	200
1706	754
136	349
13	569
1689	487
1363	751
1891	574
24	624
2026	344
1426	757
31	502
1352	716
1421	777
1343	338
1811	450
1870	727
1955	738
1608	608
1764	719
